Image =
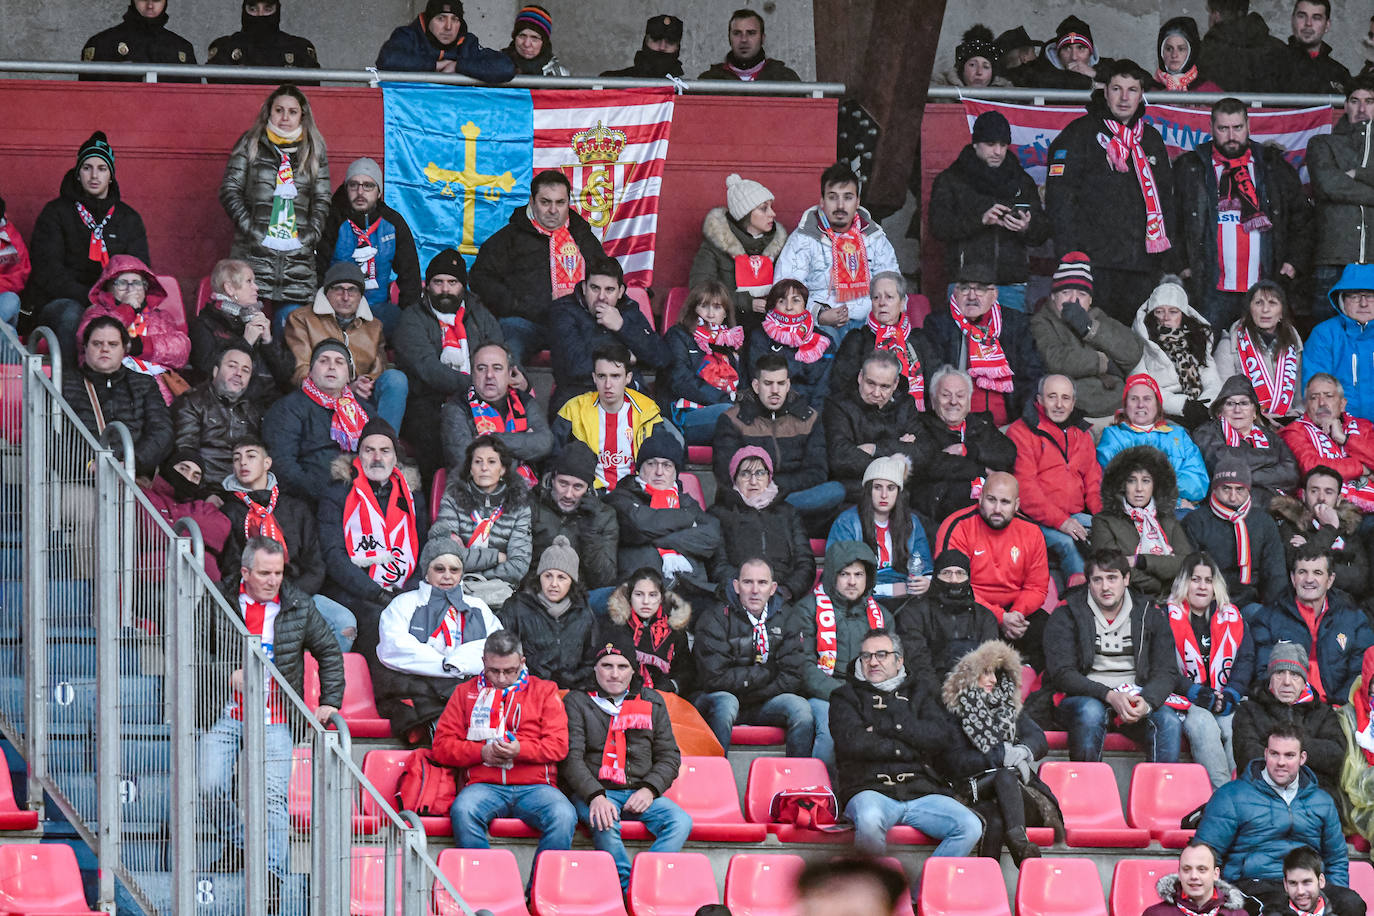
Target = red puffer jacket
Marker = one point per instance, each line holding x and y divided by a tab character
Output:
1056	467
541	727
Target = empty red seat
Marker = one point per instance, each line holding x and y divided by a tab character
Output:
367	887
956	886
11	401
640	296
700	454
671	884
672	309
359	707
1133	884
203	293
705	789
580	883
1362	880
436	492
41	878
299	798
1161	794
692	487
1092	808
762	885
757	735
917	308
172	305
1059	887
486	879
12	817
1030	681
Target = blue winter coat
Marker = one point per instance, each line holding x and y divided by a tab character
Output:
684	379
1173	441
576	336
848	528
1342	636
1343	348
1253	829
409	48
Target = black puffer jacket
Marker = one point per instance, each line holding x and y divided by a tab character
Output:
273	365
1240	55
131	398
854	349
651	760
299	526
775	533
210	424
511	272
137	40
592	529
942	483
727	660
645	530
1018	343
793	436
560	649
296	431
965	191
851	422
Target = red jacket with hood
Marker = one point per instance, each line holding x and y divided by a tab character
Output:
164	337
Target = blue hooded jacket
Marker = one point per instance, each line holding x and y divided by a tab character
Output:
1343	347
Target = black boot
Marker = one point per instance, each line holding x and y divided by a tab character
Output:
1020	846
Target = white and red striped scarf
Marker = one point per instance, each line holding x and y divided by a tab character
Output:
827	639
1124	150
848	259
346	427
1318	910
386	545
1227	629
454	347
760	625
481	532
491	716
1276	391
261	523
893	338
1255	438
1236	517
1359	493
1153	540
987	362
797	331
366	251
716	342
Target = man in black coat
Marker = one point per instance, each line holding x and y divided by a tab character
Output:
234	316
873	422
946	623
1254	570
1265	209
961	448
141	38
1109	193
215	414
260	42
566	503
1314	70
1239	54
658	53
491	406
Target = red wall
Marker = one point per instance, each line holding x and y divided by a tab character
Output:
944	132
171	142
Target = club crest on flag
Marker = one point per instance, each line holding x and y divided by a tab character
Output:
598	177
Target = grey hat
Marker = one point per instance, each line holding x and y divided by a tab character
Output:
561	556
1287	656
1231	470
364	166
438	547
344	272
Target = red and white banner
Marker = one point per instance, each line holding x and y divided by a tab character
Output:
614	156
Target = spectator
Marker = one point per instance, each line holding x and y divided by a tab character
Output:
1243	215
1067	61
992	344
975	60
1326	435
1265	347
883	522
1338	345
215	414
1179	46
751	663
987	211
1244	540
858	882
1326	623
658	53
438	41
491	407
74	238
1240	432
180	491
362	229
510	759
746	59
260	42
1319	515
1238	52
1341	189
540	255
945	624
740	243
1018	54
890	732
762	523
276	191
790	331
128	291
1314	70
141	38
1137	482
643	610
566	504
1178	352
233	315
551	617
1141	421
1056	467
486	512
1109	652
1304	881
15	267
703	369
887	328
963	448
1114	199
612	421
428	639
1198	887
531	43
638	759
836	249
873	422
773	417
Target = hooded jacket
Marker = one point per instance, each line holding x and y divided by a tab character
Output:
1056	467
1343	634
1172	901
306	327
578	335
1343	540
793	436
1240	55
163	339
1170	439
1321	730
728	661
131	398
851	422
411	47
722	241
298	523
1345	204
511	272
560	649
1098	362
462	503
1344	348
651	760
1153	574
1269	568
1018	343
1070	641
260	42
541	727
775	532
138	40
1273	470
961	195
670	663
1187	28
936	635
644	531
943	482
419	345
806	257
1228	361
1155	363
851	619
387	231
210	423
591	528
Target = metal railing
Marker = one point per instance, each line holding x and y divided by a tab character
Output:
1032	96
125	710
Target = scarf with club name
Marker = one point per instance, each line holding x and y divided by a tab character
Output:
987	362
1153	540
630	713
567	267
1227	629
1125	150
261	523
827	640
346	427
1275	389
1237	519
797	331
496	714
282	232
1255	438
1236	191
893	338
666	498
365	255
487	420
848	259
97	250
385	544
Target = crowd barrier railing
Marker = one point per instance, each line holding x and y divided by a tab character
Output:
1033	96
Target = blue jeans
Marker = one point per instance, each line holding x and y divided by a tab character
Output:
1064	547
1209	739
821	497
598	599
823	747
957	828
219	751
1009	295
279	317
668	823
1323	278
63	316
340	620
390	393
791	712
698	424
1086	719
541	806
9	307
524	338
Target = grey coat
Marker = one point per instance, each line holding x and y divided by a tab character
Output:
510	534
419	343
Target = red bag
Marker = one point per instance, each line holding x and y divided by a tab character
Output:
425	787
806	807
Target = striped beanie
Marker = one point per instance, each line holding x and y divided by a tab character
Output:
533	17
1075	272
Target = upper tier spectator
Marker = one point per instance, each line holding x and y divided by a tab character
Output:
1114	198
531	43
438	40
566	504
1343	191
276	190
540	255
1241	433
1326	435
1338	345
15	267
552	619
960	448
740	242
655	619
1141	421
1077	339
141	38
260	42
789	330
233	315
1242	537
73	240
1265	347
975	61
1067	61
1139	492
492	407
1018	54
129	292
836	249
704	370
1319	515
946	623
761	523
1179	48
873	422
1314	70
986	209
103	390
1239	54
884	523
215	414
746	59
657	56
887	328
1177	352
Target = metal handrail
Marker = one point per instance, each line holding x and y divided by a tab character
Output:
54	352
1056	96
187	527
117	430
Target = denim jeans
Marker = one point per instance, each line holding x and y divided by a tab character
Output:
1209	736
390	393
279	317
837	332
541	806
598	599
1220	308
698	424
791	712
957	828
1065	548
524	338
340	619
63	316
820	498
824	745
9	307
1086	719
668	823
219	751
389	314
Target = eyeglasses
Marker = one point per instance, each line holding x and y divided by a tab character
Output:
1362	295
129	284
756	474
1233	403
974	287
362	185
881	656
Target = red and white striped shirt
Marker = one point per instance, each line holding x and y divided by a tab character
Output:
615	458
1238	251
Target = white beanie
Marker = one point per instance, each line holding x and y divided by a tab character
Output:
895	467
742	195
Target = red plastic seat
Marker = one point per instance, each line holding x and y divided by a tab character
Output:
172	305
757	735
692	487
1092	810
641	299
770	775
956	886
383	769
203	293
705	789
12	817
700	454
487	879
1114	741
299	798
1051	598
1161	794
1362	880
672	309
818	548
904	903
359	708
762	885
917	308
436	492
1059	887
12	401
1030	681
581	883
367	888
671	884
41	879
1133	884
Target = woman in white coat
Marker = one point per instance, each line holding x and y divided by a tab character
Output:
1178	353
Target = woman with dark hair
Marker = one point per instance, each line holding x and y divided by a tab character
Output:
1265	347
789	329
975	59
551	616
1177	49
1178	352
1137	520
655	619
486	509
884	521
531	43
128	291
703	377
762	523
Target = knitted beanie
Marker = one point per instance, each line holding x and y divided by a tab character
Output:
1075	272
742	195
895	468
99	147
439	547
364	166
535	18
448	263
561	556
750	451
1287	656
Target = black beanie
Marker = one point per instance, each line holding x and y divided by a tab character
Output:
436	7
379	427
992	127
950	557
99	147
447	262
577	460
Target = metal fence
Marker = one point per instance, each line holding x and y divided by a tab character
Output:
125	662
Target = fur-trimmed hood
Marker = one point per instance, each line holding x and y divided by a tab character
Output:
1291	509
1168	889
341	468
995	654
1119	470
618	608
718	229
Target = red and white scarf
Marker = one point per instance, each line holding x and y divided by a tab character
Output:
848	259
349	417
366	253
481	532
760	625
567	267
987	362
384	544
1237	519
636	713
1255	438
261	523
1318	910
1227	629
827	641
1153	540
1124	150
893	338
716	370
667	498
1359	491
260	619
97	250
748	74
798	331
1275	390
497	717
1176	82
659	630
882	536
454	352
